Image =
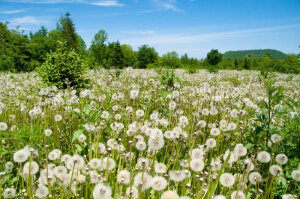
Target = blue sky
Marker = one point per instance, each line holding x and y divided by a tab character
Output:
186	26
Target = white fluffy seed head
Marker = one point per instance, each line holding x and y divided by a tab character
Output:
124	177
255	178
281	159
275	170
263	157
102	191
21	156
296	175
237	195
227	179
169	195
159	183
42	191
197	165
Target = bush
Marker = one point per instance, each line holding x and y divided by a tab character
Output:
63	68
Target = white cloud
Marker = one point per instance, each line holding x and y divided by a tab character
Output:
185	38
108	3
28	20
141	32
167	5
12	11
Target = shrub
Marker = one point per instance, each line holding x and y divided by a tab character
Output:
63	68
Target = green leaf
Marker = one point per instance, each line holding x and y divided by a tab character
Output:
76	135
78	147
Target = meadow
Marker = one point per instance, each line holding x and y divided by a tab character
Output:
151	134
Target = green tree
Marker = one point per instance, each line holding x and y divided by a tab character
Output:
115	55
266	64
146	55
67	29
63	68
130	58
6	48
214	57
247	62
171	59
39	46
184	59
98	48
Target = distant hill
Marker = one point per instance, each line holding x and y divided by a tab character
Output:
241	54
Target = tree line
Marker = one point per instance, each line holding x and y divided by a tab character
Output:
25	52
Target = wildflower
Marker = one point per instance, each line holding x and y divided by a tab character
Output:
9	193
42	191
95	163
156	142
211	143
21	156
89	127
275	170
288	196
215	131
263	157
105	115
197	165
129	109
59	171
276	138
255	178
201	123
132	192
48	132
234	113
216	164
177	176
53	155
3	126
205	111
227	179
65	158
57	118
108	163
9	166
231	126
183	120
281	159
172	105
169	195
142	163
237	195
139	113
160	167
80	179
117	116
143	180
159	183
240	150
81	138
197	153
124	177
296	175
140	145
102	191
134	94
30	168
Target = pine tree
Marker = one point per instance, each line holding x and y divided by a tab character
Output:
67	29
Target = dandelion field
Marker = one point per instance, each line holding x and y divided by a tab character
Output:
151	134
